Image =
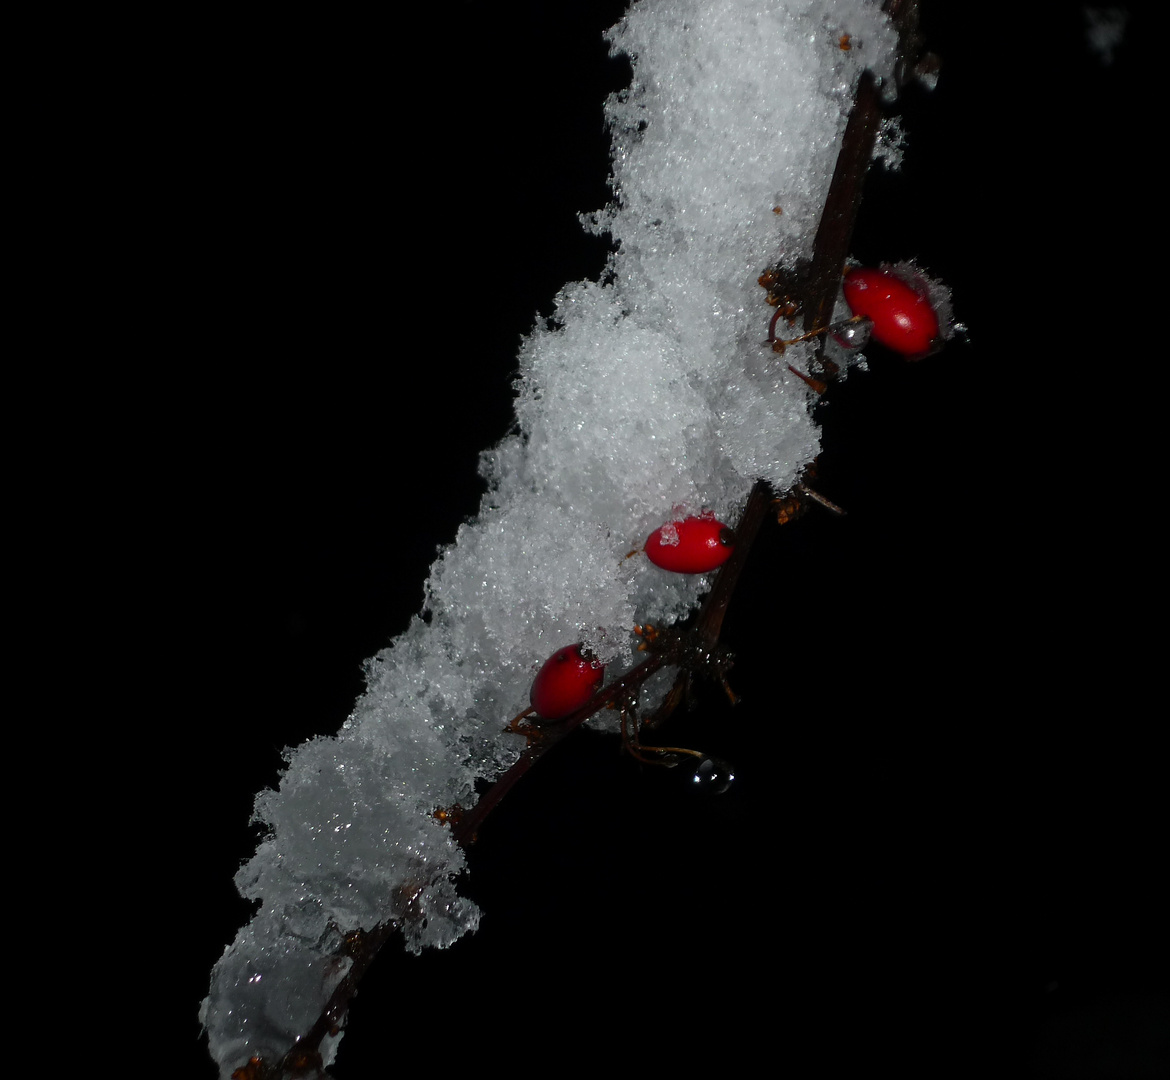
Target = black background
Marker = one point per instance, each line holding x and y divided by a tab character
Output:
942	851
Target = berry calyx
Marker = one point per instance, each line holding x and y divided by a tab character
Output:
695	545
567	681
901	312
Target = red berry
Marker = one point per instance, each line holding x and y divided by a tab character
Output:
903	318
693	546
565	683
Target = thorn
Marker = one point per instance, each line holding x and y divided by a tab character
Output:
817	497
732	696
816	384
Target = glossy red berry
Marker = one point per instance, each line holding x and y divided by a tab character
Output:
565	683
692	546
901	312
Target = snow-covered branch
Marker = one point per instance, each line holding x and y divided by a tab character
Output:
646	397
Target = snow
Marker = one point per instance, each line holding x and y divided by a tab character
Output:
645	398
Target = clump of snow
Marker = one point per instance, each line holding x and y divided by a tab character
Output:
891	143
649	397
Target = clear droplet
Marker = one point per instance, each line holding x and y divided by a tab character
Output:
712	775
852	333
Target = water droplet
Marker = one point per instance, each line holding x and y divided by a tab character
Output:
852	334
712	775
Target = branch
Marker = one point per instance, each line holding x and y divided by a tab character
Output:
818	288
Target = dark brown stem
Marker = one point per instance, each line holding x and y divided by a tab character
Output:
836	226
835	229
709	622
